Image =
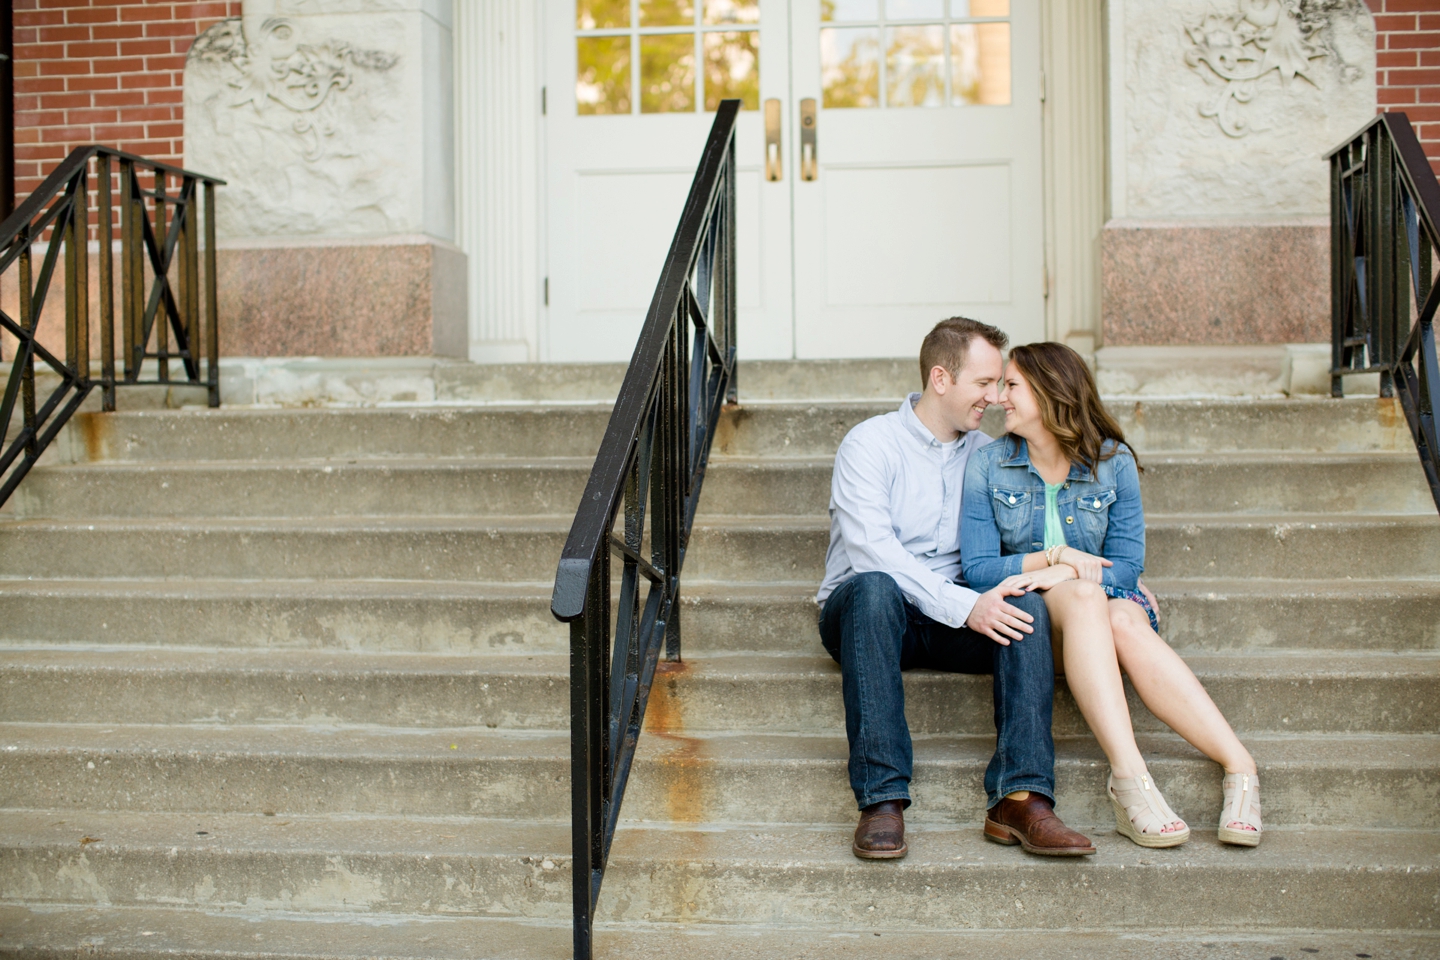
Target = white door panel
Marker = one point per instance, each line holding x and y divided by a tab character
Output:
917	212
917	251
616	188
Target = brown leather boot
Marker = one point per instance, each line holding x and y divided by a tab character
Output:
880	834
1032	824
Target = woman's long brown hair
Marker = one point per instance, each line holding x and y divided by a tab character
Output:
1070	406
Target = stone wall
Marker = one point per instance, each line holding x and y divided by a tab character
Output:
332	120
1220	116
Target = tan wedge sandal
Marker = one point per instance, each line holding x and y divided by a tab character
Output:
1242	805
1141	813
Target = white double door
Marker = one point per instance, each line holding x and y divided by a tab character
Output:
923	201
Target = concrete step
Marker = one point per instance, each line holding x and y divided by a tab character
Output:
678	777
801	876
1296	546
125	932
1294	693
498	618
1265	483
778	428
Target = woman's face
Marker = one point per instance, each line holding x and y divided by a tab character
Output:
1022	412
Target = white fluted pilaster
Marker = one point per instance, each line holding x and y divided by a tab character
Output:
497	164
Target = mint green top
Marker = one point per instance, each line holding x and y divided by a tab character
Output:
1054	531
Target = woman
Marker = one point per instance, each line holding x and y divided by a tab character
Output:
1054	505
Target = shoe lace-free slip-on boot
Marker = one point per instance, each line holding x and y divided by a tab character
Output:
880	835
1032	824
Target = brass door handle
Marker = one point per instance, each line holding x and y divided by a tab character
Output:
809	168
774	168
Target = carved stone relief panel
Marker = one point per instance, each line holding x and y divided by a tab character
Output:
314	120
1228	105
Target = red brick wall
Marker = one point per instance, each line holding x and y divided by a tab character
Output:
1407	52
101	71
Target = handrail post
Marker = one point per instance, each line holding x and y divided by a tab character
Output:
104	235
162	316
127	270
212	301
28	322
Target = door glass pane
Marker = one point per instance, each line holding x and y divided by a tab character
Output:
601	14
732	11
602	75
667	73
914	9
915	66
842	10
979	8
980	63
850	66
732	69
666	13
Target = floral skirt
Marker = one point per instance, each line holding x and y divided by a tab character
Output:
1139	598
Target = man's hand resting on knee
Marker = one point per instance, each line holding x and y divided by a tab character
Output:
997	619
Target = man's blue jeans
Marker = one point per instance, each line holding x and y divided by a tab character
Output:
874	633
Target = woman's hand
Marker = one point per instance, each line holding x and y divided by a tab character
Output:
1047	578
1087	566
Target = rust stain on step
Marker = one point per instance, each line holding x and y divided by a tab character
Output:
680	764
96	431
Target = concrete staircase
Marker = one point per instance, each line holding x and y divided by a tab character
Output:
284	683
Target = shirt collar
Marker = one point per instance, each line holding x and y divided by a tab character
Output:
917	429
1020	457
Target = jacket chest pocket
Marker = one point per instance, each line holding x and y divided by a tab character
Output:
1014	513
1092	514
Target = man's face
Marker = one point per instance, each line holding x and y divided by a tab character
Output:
964	399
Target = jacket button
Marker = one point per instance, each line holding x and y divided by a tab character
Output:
1012	498
1069	519
1097	504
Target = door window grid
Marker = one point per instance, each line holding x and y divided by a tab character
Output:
612	36
955	53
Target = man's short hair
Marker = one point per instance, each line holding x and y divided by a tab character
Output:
949	344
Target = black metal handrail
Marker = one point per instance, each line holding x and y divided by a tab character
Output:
161	279
655	448
1384	213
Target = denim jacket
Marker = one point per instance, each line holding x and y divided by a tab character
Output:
1004	514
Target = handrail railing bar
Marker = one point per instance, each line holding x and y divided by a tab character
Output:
633	556
161	261
58	216
42	417
621	432
41	290
162	292
44	440
18	331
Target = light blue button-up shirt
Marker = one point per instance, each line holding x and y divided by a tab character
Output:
895	508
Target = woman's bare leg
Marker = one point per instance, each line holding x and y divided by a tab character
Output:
1169	688
1080	628
1171	691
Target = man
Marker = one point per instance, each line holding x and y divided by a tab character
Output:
890	601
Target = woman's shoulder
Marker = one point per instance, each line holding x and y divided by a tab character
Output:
1112	449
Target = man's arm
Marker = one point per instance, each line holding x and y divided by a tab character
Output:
860	491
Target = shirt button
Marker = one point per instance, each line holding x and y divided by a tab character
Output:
1069	519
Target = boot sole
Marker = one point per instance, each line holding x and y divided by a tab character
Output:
1009	837
880	854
